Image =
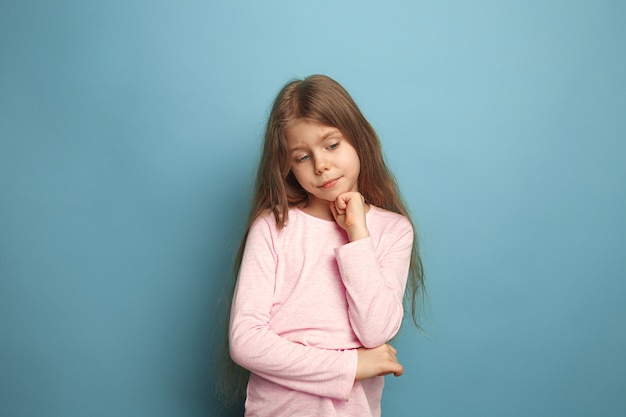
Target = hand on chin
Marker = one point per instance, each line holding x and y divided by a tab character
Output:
349	212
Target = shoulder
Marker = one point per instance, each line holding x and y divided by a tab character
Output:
267	216
263	224
266	221
390	230
389	220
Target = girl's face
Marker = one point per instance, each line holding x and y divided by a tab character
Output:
323	161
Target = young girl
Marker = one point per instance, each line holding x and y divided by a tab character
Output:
324	264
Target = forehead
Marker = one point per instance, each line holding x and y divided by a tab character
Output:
304	132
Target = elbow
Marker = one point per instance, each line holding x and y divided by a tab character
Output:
375	339
248	345
240	356
236	354
372	343
372	336
237	350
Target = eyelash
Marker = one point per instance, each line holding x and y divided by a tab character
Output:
331	147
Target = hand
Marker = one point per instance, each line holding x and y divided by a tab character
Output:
378	361
349	212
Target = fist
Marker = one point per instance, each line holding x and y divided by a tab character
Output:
349	212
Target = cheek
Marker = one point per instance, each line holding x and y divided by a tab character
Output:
354	162
298	174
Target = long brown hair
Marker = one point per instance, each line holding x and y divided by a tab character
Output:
320	99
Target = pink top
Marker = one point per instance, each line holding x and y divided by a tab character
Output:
306	299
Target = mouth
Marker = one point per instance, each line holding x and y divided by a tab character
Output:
330	183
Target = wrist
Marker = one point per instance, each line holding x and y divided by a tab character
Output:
358	233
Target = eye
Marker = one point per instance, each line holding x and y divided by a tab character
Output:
333	146
302	158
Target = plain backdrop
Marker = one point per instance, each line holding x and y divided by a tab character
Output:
129	137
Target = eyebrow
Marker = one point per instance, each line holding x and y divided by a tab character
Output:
332	131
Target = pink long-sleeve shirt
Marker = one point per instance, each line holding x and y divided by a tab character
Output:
306	299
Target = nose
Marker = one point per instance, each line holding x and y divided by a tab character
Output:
321	165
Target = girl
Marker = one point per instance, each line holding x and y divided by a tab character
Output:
324	263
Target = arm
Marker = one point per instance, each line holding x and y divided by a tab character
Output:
375	284
253	344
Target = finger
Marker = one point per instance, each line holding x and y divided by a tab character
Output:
393	368
342	201
353	197
340	211
399	372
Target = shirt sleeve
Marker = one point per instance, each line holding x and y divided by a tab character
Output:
375	283
253	344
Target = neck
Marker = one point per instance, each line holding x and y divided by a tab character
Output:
319	209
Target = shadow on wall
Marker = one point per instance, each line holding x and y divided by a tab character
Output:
227	229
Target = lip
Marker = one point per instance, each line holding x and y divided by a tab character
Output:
330	183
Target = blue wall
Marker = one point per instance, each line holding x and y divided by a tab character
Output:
129	133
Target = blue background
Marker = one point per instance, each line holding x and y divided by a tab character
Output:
129	135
